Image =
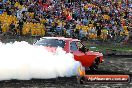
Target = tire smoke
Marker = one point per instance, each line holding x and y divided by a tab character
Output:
22	61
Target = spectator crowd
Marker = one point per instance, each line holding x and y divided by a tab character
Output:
91	19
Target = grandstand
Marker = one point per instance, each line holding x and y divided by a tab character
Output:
96	19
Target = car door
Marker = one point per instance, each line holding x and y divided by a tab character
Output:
88	58
78	55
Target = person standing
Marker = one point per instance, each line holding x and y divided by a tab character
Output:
98	28
12	29
20	26
0	28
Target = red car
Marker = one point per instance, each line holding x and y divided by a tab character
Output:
88	59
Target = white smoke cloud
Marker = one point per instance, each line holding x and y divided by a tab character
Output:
23	61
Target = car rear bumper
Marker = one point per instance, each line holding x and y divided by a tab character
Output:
102	61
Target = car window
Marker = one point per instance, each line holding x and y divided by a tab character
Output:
51	43
79	44
73	46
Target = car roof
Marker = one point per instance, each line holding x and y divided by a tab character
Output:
60	38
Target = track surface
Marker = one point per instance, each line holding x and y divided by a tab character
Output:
111	65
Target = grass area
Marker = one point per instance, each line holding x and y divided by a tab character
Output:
104	47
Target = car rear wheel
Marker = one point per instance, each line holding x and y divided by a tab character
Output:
81	80
95	65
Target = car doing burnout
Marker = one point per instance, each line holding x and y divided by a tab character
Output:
88	59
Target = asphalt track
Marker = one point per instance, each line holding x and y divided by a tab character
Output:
111	65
